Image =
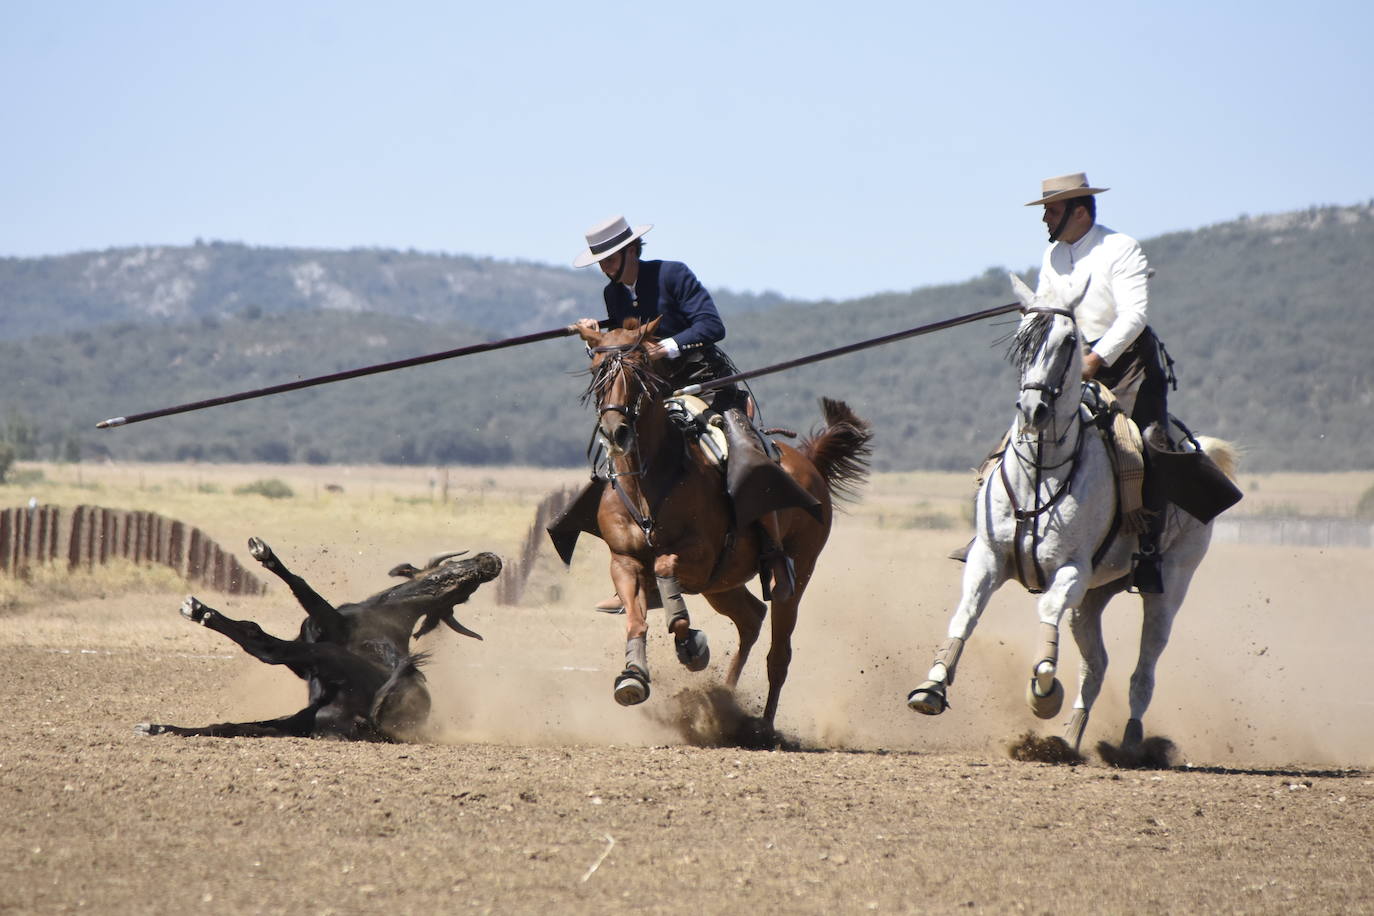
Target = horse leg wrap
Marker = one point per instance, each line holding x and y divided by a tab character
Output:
692	648
670	593
636	655
946	660
1049	648
632	684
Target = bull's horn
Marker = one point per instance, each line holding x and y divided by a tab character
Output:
451	622
436	560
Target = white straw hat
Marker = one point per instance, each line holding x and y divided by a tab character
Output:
605	239
1065	187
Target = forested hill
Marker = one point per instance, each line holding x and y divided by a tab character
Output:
1269	319
167	284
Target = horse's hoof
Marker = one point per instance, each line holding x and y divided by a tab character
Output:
1048	706
1073	732
194	611
693	650
631	688
259	549
1135	733
147	728
928	699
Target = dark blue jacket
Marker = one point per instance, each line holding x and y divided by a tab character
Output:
670	289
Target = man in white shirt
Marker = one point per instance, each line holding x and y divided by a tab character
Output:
1125	355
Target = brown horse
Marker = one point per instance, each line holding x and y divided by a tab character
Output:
666	515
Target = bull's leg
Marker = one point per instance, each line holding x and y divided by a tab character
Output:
250	637
298	725
983	574
321	611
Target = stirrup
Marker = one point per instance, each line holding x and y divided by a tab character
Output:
1147	577
766	577
631	686
928	699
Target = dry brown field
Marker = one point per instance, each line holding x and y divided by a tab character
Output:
539	793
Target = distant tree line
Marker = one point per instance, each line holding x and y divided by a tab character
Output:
1266	317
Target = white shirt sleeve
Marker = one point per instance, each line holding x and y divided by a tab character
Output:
670	345
1127	273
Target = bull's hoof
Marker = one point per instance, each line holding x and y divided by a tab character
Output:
194	611
1047	706
631	687
693	650
260	551
928	699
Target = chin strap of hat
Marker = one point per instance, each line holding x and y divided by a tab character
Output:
1069	206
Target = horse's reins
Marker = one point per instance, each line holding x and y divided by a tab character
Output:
644	519
1028	520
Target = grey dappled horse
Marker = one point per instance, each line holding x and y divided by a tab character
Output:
1056	477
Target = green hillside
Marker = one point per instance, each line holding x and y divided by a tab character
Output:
1267	317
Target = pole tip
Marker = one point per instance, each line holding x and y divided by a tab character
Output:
113	421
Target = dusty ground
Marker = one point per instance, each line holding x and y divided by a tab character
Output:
539	793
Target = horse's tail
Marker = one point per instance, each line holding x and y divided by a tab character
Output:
841	449
1225	454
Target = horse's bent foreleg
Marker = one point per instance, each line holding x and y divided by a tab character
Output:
747	613
982	576
1045	693
692	648
319	610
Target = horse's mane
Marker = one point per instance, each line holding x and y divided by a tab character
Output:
640	369
1028	339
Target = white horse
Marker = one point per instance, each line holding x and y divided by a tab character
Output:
1046	517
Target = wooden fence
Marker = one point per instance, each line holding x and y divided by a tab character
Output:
88	536
510	587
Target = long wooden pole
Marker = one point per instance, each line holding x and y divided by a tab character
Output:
852	348
339	376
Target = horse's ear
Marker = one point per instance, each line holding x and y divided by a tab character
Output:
1072	304
1022	291
652	327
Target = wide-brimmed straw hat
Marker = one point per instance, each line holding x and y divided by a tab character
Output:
1065	187
605	239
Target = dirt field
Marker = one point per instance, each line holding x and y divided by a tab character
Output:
540	794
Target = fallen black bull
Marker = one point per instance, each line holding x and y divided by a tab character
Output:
365	684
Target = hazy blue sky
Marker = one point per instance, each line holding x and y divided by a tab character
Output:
816	149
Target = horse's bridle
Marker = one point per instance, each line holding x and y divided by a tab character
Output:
617	365
1051	391
1028	519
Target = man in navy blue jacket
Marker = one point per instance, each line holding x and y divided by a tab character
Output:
685	353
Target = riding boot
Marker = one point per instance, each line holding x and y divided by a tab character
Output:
756	483
1147	573
777	576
